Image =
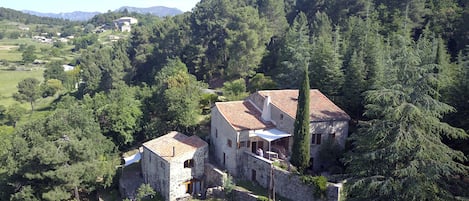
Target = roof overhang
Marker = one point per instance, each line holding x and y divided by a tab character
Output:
271	134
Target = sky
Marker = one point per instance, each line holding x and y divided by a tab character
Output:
61	6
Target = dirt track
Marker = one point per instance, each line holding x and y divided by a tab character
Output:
8	47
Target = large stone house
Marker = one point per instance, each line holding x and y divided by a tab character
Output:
265	120
174	164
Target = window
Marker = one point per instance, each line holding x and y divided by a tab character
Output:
242	144
332	136
316	138
189	163
281	116
162	165
216	133
228	143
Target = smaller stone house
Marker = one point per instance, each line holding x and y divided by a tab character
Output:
173	165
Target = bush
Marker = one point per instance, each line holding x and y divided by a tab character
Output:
319	183
228	186
279	164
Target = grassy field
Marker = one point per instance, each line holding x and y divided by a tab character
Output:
10	79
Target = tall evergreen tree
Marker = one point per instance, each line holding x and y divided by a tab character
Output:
294	54
354	85
399	154
325	69
301	135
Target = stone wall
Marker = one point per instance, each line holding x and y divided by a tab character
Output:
214	176
256	168
290	186
155	172
243	195
286	184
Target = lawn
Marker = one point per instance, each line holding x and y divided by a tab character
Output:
10	79
10	55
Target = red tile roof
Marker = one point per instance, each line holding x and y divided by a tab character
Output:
163	146
242	115
321	108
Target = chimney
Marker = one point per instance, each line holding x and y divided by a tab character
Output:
174	151
266	113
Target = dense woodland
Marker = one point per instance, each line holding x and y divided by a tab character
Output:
399	68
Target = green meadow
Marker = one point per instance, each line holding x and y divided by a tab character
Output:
10	79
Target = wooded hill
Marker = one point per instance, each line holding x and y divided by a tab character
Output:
399	68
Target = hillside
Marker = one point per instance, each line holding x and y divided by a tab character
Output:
73	16
18	16
159	11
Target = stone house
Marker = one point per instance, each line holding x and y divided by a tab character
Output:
266	120
173	165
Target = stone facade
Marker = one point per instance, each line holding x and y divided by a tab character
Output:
174	165
155	171
213	176
221	135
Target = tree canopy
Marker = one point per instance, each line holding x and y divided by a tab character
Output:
52	157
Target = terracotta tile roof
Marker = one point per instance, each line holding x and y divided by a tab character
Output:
321	108
163	146
242	115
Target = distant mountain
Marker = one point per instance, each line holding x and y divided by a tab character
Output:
73	16
155	10
25	18
160	11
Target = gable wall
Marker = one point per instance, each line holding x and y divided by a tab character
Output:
225	131
180	175
155	172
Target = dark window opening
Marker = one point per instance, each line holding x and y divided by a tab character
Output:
316	139
189	163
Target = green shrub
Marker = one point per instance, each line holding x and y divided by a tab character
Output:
279	164
319	183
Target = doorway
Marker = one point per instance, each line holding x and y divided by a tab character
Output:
257	144
254	147
253	175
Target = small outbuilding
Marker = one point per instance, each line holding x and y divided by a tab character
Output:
173	165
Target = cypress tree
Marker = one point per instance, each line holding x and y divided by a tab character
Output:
301	138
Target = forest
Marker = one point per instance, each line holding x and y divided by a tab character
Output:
399	68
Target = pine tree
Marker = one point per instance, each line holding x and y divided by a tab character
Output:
294	54
399	154
325	69
301	139
354	85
